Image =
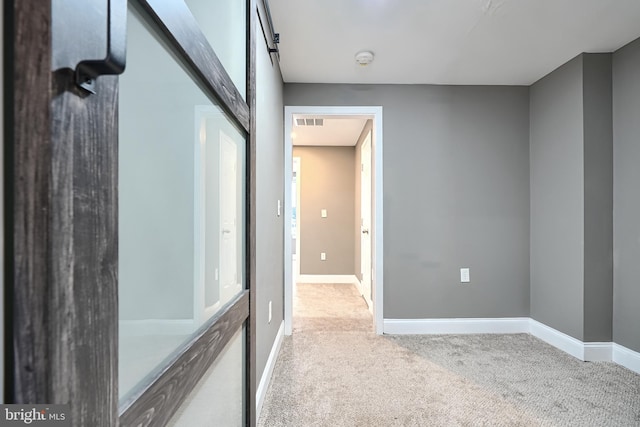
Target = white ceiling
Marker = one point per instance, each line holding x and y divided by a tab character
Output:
336	130
479	42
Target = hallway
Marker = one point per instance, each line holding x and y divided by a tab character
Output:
334	371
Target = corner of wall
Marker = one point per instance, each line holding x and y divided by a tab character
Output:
598	197
556	204
626	205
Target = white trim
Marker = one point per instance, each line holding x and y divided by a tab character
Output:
558	339
137	328
378	221
377	232
288	206
585	351
366	211
513	325
598	351
347	279
298	170
261	391
358	285
626	357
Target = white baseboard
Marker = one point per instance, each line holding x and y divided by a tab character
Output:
558	339
598	352
511	325
137	328
588	352
261	391
626	357
358	284
346	279
585	351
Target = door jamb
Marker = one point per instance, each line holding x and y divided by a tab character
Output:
377	212
369	141
297	275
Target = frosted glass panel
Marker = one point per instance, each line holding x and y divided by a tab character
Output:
223	23
218	399
181	208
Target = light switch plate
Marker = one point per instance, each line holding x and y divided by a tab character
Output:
323	213
464	275
279	207
323	256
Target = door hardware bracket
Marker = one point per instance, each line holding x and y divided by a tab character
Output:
87	71
276	41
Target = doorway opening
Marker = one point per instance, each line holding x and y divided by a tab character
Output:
369	266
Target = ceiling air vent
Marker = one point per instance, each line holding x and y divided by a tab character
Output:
309	122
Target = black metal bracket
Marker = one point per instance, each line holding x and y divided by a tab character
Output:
114	63
276	41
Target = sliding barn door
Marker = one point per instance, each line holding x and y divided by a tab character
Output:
61	214
129	210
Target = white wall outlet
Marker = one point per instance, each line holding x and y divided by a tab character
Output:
464	275
279	207
323	213
323	256
270	312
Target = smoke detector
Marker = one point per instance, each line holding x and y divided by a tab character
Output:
364	58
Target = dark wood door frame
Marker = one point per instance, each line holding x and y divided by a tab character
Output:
61	226
251	203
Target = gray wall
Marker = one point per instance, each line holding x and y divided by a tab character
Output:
557	199
456	194
571	198
626	140
598	198
270	189
326	182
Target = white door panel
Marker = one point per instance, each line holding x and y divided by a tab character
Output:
365	227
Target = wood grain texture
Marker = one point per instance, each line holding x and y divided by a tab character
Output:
182	30
252	16
64	219
28	157
62	275
83	299
161	399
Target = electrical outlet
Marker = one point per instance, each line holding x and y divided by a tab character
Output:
323	256
270	312
464	275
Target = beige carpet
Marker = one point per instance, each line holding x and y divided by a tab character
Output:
334	371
